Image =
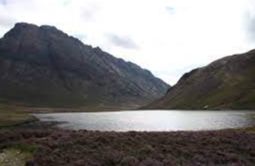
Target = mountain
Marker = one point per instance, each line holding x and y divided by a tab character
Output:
228	83
43	66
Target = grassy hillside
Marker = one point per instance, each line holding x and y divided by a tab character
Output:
228	83
13	115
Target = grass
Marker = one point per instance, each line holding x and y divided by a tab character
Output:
17	155
13	115
217	89
52	147
66	147
248	129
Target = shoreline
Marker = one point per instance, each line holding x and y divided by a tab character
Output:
48	145
43	143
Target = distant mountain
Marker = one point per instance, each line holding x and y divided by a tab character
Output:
42	66
228	83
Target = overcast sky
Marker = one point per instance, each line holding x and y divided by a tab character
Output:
168	37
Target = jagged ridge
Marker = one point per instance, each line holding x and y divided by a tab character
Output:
44	66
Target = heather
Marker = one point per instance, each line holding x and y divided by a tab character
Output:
52	147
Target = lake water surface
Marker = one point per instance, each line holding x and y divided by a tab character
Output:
156	120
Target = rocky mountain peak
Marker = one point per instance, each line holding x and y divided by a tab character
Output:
42	65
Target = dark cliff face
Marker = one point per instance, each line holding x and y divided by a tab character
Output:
228	83
43	66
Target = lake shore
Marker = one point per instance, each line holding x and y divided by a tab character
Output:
51	146
25	139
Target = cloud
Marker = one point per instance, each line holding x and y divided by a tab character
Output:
162	36
89	11
249	21
66	2
81	37
122	41
250	28
6	21
3	2
170	9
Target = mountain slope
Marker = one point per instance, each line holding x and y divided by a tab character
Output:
43	66
228	83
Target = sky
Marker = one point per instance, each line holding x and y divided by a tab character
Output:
167	37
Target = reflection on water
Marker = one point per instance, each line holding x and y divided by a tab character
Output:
156	120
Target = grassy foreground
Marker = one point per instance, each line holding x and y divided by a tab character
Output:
56	147
39	144
13	115
14	157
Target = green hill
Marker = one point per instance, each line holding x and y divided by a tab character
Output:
228	83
